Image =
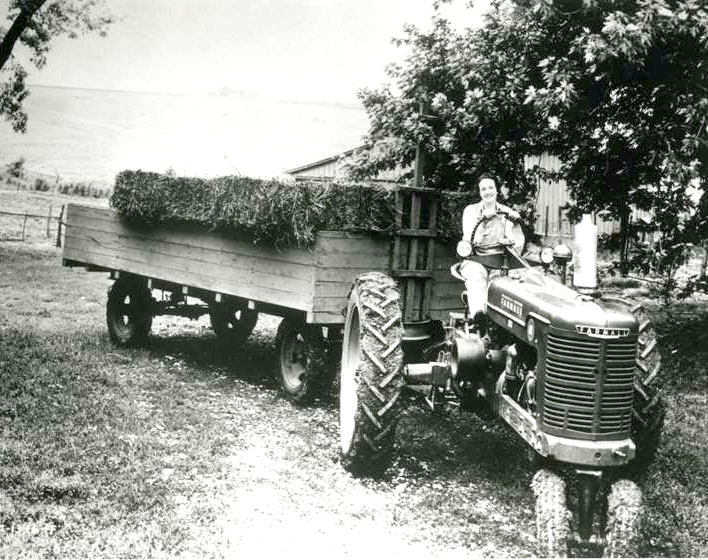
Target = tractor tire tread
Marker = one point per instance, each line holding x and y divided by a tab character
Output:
379	374
624	511
553	518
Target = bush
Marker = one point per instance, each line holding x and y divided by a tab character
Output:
16	168
41	185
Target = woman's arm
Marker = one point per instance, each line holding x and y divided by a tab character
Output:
513	214
469	219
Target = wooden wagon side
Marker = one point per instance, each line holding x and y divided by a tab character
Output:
313	282
194	259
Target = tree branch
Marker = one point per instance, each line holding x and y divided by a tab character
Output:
28	9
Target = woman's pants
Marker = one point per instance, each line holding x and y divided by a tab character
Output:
476	282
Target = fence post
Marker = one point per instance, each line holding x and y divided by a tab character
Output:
545	226
24	224
61	219
49	220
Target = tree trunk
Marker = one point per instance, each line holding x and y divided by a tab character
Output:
16	29
624	243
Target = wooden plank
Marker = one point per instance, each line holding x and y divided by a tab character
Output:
416	233
234	261
364	262
198	259
330	289
179	268
412	287
108	220
288	299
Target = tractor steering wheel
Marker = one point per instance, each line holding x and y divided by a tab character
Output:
498	246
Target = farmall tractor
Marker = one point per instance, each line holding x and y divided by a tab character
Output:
573	373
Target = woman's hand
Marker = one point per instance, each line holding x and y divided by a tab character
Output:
513	215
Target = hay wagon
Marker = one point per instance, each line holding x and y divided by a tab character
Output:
165	269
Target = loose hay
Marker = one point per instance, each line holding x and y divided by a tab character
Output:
273	212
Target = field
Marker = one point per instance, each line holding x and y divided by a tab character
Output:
182	450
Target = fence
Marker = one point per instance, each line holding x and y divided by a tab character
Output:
25	226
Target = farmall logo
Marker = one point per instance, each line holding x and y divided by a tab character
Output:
516	307
601	332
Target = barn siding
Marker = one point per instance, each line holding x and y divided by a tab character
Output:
551	219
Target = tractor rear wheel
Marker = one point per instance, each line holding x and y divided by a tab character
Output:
301	352
128	312
649	408
232	322
624	509
553	518
371	374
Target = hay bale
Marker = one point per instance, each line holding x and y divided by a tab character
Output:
273	212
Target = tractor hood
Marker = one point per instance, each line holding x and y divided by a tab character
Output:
513	299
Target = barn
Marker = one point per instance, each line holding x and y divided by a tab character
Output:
551	197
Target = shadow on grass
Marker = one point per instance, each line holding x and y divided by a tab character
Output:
253	361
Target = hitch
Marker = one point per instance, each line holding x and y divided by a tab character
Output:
431	373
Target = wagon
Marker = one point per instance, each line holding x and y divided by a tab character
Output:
165	269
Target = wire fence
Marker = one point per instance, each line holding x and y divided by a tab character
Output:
28	226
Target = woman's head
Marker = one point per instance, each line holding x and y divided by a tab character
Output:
487	188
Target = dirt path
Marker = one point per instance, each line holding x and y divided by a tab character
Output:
280	489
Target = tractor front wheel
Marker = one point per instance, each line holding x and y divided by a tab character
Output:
301	359
128	312
553	518
624	509
371	374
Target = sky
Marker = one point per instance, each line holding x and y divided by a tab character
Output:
298	50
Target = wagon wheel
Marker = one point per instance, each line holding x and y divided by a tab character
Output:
232	322
301	359
624	510
128	312
553	518
371	374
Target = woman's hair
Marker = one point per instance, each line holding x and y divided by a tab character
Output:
487	176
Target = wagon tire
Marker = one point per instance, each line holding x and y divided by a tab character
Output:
129	312
232	322
623	524
301	353
371	377
648	407
553	518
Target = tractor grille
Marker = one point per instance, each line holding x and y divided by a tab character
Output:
577	397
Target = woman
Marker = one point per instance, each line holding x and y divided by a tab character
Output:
493	230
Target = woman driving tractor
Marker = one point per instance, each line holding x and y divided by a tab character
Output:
494	226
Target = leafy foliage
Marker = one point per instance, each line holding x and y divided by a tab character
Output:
617	89
273	212
474	121
34	24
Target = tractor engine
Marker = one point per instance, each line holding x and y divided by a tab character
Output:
579	389
558	366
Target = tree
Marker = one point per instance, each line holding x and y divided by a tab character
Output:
477	122
618	89
627	82
34	23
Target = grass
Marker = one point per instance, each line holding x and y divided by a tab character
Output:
176	451
34	203
180	450
676	488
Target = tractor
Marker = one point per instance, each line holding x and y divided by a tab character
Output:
573	372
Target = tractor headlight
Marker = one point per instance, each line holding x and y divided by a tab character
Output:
547	255
562	253
464	248
530	330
